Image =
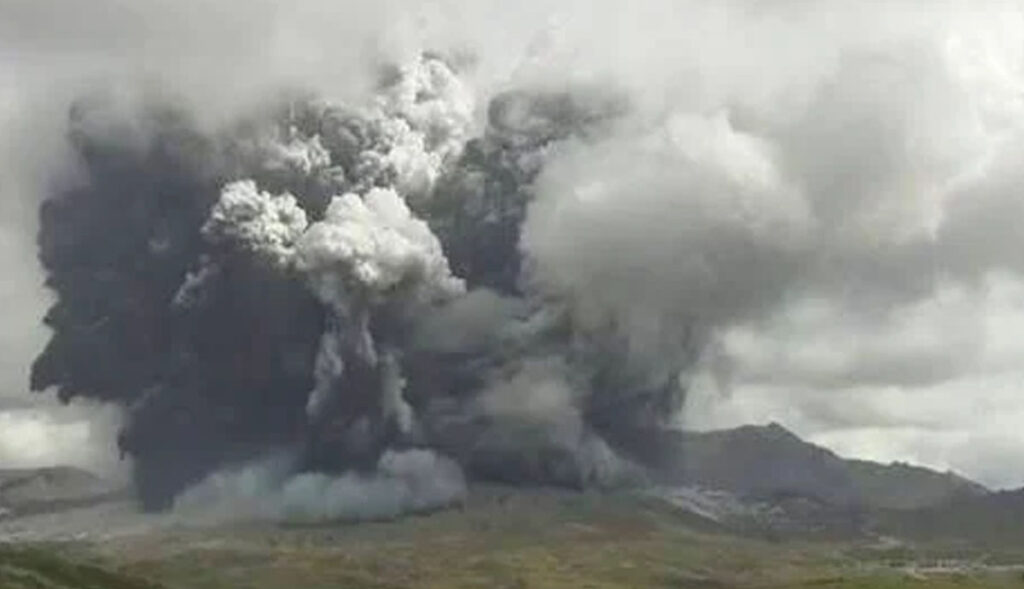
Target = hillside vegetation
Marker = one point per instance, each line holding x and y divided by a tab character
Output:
514	539
38	568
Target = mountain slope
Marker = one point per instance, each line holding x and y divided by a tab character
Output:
904	486
46	489
992	520
770	461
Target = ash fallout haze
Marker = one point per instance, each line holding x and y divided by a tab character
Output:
322	259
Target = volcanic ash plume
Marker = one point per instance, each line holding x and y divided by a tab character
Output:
336	284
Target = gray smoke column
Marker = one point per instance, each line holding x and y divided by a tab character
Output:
516	280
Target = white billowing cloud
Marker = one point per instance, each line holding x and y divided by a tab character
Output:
404	482
368	251
689	224
264	225
369	247
426	118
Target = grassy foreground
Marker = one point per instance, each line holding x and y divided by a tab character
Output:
515	541
39	568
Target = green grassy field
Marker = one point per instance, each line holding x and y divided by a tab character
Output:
515	541
42	568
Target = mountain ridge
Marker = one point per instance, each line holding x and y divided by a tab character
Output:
765	460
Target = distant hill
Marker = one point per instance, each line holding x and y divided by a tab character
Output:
756	461
772	463
767	461
992	520
904	486
44	489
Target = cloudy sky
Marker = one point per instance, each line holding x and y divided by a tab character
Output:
878	149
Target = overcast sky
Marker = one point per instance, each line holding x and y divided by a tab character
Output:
885	142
